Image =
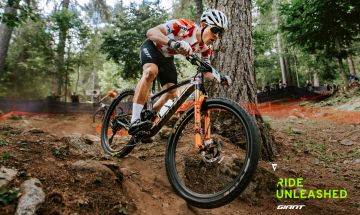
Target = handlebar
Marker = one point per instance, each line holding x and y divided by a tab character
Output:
195	60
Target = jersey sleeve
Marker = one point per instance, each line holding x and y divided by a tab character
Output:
205	55
172	27
179	27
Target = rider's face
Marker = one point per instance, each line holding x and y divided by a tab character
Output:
209	37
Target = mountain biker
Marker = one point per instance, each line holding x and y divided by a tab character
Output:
157	56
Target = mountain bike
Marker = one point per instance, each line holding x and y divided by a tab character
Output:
212	151
99	114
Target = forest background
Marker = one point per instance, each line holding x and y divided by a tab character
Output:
74	47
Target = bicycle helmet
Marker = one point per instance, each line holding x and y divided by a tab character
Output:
215	18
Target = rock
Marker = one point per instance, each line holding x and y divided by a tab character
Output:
346	162
103	171
332	140
292	117
90	139
6	175
33	131
77	145
346	142
165	132
261	186
357	161
32	197
316	161
297	113
296	131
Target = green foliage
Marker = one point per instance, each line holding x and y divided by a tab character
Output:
59	152
3	143
325	25
110	78
185	9
7	196
29	62
16	12
123	40
121	209
5	156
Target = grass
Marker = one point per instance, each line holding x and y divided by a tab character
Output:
8	195
59	152
3	143
6	156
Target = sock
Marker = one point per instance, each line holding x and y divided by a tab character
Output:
136	111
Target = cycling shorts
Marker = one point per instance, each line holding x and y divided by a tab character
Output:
167	70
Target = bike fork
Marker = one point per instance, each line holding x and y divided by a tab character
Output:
198	131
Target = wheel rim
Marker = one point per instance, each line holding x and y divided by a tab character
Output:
210	179
116	136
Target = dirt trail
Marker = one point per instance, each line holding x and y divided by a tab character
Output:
310	149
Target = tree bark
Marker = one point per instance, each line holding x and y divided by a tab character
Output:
199	8
351	64
316	80
6	32
233	55
343	73
60	58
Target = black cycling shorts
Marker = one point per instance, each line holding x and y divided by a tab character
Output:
167	70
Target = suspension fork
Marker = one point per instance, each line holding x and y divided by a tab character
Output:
198	131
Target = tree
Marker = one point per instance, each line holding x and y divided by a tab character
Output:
64	20
30	62
234	56
123	40
199	8
328	26
13	14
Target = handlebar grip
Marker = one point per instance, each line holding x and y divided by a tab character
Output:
177	45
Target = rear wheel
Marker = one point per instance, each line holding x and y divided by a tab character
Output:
217	174
115	139
99	115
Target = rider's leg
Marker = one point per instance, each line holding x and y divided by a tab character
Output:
172	94
150	71
167	77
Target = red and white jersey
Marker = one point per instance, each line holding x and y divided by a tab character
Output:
184	29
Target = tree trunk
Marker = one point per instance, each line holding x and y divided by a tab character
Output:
282	51
60	67
6	32
234	56
343	73
351	64
199	8
316	80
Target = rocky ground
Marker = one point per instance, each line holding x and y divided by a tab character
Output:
59	159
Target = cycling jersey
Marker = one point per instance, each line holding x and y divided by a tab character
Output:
184	29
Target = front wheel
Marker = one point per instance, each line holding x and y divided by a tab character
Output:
218	173
115	139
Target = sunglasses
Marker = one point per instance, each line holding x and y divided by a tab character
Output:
217	30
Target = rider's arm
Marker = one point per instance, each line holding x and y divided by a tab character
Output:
209	76
205	56
158	35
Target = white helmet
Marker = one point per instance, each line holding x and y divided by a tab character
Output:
215	17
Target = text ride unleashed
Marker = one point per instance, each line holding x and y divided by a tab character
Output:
284	191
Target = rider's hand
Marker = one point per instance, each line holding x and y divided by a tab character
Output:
182	47
225	80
